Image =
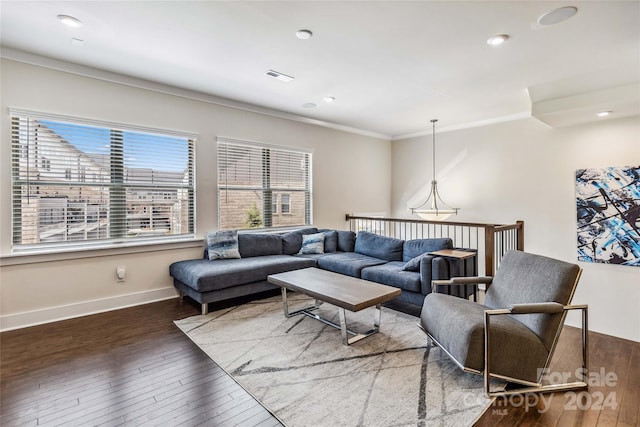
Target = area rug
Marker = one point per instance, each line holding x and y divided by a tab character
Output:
299	369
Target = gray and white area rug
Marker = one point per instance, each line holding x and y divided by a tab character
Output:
299	369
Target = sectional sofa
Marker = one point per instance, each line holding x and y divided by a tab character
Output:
237	264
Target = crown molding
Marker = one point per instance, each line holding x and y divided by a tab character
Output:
468	125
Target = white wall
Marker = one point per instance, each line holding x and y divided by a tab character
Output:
525	170
39	291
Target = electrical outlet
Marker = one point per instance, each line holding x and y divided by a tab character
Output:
121	273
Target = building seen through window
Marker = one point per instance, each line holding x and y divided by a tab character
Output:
262	186
75	181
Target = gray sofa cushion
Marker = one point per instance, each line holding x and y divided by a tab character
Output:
259	244
346	241
330	240
374	245
314	257
204	275
462	334
348	263
292	241
392	274
417	247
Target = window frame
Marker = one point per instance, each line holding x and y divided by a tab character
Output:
283	204
274	204
269	193
18	143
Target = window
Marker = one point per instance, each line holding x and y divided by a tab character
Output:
98	182
286	204
249	176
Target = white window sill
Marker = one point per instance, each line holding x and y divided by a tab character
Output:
79	252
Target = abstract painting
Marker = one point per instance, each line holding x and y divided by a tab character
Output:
608	202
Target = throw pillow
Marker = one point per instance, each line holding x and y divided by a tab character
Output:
292	241
414	263
312	244
223	245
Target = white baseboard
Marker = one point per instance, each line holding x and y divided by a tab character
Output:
53	314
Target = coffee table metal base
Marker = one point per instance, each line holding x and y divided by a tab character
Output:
346	339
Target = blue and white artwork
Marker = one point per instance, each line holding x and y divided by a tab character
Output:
608	202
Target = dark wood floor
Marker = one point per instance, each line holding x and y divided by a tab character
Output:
613	398
134	367
125	367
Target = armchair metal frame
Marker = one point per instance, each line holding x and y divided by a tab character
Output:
531	387
533	308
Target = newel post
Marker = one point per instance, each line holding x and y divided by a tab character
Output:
520	235
489	249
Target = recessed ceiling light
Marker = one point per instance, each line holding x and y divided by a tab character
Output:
329	99
309	105
497	40
557	15
603	113
304	34
278	75
70	21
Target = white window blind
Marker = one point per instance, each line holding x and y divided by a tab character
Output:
251	176
78	181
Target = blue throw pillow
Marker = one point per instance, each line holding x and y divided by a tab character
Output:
414	263
312	244
223	245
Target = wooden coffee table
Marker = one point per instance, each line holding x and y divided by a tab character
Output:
345	292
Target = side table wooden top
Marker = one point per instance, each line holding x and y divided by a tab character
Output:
454	253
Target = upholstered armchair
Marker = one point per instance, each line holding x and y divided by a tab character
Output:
513	334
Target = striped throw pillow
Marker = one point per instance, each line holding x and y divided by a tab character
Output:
223	244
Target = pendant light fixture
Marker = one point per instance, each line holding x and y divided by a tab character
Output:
434	209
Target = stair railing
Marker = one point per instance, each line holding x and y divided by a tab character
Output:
491	241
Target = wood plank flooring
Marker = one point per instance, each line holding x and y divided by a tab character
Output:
127	367
134	367
613	399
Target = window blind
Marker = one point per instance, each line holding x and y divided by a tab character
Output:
75	181
252	177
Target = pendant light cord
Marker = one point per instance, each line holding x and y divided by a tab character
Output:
433	133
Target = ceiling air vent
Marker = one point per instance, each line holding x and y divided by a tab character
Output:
279	76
